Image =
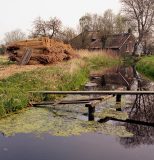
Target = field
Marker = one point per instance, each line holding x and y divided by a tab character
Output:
71	75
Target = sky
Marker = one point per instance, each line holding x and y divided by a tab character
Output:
20	14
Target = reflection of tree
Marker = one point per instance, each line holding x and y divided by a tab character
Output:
142	111
142	135
140	108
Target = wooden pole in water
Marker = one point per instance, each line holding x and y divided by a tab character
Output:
118	102
91	111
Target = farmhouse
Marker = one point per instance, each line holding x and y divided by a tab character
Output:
93	40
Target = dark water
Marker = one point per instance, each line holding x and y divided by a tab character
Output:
94	146
85	147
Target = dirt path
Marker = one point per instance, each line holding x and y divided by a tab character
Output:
13	69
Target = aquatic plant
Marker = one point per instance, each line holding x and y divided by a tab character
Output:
56	122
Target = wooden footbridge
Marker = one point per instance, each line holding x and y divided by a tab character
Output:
90	103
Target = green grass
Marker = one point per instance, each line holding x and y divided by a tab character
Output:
146	66
70	75
4	61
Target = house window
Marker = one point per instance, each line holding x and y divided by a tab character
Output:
93	39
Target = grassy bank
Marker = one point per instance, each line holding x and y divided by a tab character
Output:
146	66
4	62
71	75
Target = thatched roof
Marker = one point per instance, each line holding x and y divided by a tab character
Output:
116	41
96	40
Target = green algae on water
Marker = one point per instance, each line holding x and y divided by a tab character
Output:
40	120
111	112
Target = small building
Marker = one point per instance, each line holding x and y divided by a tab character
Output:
119	43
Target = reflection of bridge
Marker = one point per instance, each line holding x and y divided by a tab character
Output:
90	103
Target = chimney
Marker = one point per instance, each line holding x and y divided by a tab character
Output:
129	31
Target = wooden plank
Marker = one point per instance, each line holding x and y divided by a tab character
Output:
96	92
78	101
26	57
92	104
54	103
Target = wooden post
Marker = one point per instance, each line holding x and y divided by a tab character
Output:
118	102
91	112
91	109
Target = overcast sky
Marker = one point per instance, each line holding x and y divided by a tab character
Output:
19	14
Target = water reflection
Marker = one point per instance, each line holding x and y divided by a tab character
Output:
125	77
142	111
140	108
143	135
121	76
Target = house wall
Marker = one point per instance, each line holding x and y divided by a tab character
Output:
128	47
115	51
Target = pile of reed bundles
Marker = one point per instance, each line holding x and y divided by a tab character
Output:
43	51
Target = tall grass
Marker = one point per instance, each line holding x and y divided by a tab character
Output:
99	59
71	75
146	66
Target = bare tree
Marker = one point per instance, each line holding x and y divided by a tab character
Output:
67	34
49	28
108	22
142	13
107	25
94	22
122	24
85	25
85	22
54	26
13	36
